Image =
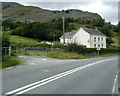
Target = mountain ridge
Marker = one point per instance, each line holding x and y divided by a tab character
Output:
19	12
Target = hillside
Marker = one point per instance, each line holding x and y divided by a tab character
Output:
23	13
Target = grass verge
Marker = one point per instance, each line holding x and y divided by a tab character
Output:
8	61
65	55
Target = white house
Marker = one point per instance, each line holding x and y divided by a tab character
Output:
91	38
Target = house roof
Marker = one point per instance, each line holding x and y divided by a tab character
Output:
90	31
68	35
94	31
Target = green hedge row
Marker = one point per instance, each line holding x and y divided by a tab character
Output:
83	49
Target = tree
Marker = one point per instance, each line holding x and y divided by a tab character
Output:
106	31
109	41
5	39
98	22
9	24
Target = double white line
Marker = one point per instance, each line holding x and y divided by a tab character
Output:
50	79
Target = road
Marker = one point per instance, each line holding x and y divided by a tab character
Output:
40	75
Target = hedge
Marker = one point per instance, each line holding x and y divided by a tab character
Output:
82	49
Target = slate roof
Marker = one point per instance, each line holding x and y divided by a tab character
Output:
90	31
94	32
68	35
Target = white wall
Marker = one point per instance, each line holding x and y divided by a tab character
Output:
100	42
82	38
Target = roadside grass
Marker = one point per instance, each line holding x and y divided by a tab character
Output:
64	55
34	53
55	54
8	61
61	54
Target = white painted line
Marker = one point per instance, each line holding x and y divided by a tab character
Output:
32	64
9	68
23	56
19	66
44	59
115	81
50	79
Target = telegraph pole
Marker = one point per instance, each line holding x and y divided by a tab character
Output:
63	30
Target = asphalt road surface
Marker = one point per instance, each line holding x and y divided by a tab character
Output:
40	75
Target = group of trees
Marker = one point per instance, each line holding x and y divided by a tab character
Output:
37	30
53	29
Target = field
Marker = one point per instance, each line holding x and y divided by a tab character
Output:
22	41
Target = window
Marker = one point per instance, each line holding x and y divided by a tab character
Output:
94	39
102	45
98	46
101	39
94	45
98	38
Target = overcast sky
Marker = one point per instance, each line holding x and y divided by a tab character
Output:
108	10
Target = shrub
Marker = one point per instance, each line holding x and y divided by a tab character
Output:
75	47
110	50
10	61
58	45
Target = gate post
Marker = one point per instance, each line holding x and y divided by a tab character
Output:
9	50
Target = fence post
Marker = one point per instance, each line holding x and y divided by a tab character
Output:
9	50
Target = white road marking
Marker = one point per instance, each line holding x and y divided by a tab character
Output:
44	59
32	64
9	68
23	56
19	66
50	79
115	81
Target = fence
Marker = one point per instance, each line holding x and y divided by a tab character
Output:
45	49
6	51
36	48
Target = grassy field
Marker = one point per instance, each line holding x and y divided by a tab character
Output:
10	61
22	41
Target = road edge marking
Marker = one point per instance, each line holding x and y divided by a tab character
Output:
52	78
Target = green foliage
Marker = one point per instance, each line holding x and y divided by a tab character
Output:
10	61
58	45
9	24
5	39
64	55
109	41
20	41
43	31
110	50
98	22
106	31
74	47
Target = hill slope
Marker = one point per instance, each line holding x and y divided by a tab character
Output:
23	13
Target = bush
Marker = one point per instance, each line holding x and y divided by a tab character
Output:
75	47
58	45
110	50
10	61
83	50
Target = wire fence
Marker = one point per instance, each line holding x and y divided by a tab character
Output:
9	51
36	48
